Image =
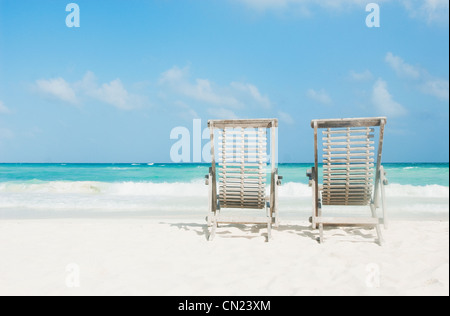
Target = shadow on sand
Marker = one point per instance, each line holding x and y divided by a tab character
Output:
256	231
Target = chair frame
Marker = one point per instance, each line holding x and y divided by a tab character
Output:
378	194
270	203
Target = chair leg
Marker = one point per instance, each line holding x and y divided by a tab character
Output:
380	236
321	233
212	233
377	226
383	205
270	215
276	221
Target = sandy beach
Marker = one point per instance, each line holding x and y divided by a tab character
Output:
152	256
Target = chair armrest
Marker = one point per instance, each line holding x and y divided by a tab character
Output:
278	178
208	176
383	178
310	173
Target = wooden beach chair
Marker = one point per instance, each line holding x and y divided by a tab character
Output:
352	175
241	172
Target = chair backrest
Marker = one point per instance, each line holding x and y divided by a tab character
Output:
350	166
242	160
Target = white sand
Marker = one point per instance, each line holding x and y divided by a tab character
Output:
160	257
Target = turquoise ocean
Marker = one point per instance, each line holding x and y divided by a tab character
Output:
415	190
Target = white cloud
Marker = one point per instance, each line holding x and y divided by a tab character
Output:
173	75
112	93
431	11
319	96
57	88
235	95
201	89
361	76
438	88
383	101
286	118
304	5
186	111
115	94
3	108
253	92
427	83
401	68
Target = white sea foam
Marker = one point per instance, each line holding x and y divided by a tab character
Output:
295	198
194	188
426	191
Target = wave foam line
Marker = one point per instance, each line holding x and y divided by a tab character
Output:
190	189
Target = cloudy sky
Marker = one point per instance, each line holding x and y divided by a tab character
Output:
113	89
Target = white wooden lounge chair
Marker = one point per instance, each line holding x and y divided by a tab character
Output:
242	172
351	176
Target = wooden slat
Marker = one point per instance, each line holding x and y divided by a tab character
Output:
353	137
350	161
346	131
254	207
346	180
243	203
335	185
247	175
240	132
344	195
244	150
329	144
342	191
243	138
238	186
345	176
348	171
353	149
254	123
347	204
234	164
353	201
260	181
348	122
235	196
247	180
350	154
242	198
242	189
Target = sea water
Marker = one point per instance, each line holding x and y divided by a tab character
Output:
415	190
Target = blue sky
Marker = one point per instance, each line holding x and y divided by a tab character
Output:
112	89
